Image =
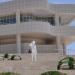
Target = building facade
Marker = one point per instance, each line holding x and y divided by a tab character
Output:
22	21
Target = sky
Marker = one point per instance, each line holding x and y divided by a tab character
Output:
54	1
4	1
71	47
62	1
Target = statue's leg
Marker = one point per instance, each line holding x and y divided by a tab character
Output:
35	57
32	57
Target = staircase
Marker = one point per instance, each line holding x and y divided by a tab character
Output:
45	62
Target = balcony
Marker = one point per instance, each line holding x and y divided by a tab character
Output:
37	27
26	27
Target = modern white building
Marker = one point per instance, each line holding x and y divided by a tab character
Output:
22	21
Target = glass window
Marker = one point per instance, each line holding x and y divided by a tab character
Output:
27	18
11	19
51	20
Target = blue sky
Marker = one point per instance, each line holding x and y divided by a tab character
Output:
62	1
54	1
4	0
71	49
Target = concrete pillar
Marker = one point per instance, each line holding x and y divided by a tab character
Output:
59	45
18	16
64	48
18	36
58	37
18	39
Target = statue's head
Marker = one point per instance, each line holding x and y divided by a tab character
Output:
33	42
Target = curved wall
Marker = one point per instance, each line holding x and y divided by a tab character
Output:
26	27
37	27
63	31
62	8
12	6
33	6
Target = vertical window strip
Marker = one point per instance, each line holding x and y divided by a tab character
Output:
11	19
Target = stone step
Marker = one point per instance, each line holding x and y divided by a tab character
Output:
45	62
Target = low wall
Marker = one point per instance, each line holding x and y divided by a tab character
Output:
12	48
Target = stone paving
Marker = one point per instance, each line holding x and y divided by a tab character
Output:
46	62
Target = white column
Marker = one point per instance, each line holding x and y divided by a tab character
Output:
59	45
18	39
18	16
64	48
18	36
58	37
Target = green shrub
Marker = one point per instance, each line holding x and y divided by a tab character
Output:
53	73
13	57
59	65
9	73
71	63
69	60
6	55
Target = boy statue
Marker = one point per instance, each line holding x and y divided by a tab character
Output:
33	51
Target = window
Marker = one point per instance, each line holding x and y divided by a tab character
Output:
11	19
51	20
27	18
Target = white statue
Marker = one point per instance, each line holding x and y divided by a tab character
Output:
33	51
